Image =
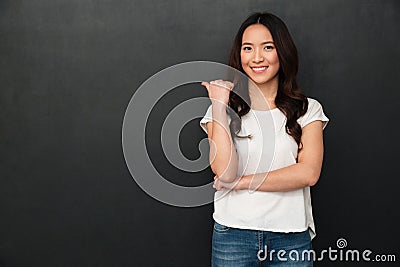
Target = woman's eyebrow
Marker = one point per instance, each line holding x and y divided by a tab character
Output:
267	42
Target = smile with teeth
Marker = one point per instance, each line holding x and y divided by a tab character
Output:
259	69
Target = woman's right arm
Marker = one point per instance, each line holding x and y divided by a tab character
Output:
223	156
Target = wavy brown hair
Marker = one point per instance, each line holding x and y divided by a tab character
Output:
289	99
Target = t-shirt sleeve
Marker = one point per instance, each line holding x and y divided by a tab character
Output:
315	112
207	118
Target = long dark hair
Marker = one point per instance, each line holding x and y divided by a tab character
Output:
289	99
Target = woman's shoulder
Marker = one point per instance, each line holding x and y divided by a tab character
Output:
314	112
313	103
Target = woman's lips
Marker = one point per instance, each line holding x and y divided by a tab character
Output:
258	69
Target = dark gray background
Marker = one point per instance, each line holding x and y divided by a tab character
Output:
69	69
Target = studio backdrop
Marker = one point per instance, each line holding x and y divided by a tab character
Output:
72	71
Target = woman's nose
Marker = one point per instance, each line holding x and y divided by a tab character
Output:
258	57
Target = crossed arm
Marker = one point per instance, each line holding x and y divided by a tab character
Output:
304	173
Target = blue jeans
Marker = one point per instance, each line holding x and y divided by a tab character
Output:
239	247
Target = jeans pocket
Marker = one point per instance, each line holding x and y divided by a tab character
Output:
219	228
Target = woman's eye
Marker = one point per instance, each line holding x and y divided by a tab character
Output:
269	47
247	48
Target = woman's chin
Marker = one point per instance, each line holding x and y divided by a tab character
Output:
259	81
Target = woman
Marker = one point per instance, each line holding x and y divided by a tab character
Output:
272	223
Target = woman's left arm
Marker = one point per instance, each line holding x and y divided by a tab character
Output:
304	173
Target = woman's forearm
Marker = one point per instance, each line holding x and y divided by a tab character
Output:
223	155
289	178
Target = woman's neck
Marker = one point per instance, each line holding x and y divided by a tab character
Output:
263	95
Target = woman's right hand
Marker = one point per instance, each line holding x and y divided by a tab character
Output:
219	90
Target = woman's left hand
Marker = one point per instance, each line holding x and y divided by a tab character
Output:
238	184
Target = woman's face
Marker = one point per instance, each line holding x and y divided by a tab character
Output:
258	54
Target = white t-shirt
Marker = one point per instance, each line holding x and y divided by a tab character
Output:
270	148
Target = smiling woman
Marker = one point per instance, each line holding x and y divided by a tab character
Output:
267	156
259	57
